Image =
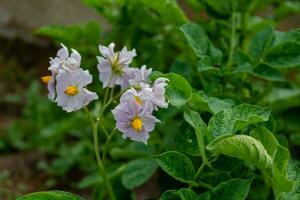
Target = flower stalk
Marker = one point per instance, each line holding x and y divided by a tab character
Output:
100	162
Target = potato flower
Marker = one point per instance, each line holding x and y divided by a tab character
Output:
112	65
134	121
62	62
71	92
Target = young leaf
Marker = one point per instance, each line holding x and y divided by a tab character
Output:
177	165
231	120
138	172
53	195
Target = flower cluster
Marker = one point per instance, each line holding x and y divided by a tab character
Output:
140	97
67	81
134	114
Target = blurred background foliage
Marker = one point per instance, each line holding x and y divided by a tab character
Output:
57	148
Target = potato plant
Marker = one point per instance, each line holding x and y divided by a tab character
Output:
204	102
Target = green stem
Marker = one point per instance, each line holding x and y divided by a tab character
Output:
244	22
204	185
201	168
232	39
104	129
106	144
98	158
105	95
202	149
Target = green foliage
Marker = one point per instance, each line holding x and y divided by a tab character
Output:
231	120
253	151
200	43
182	194
138	172
234	189
177	165
178	90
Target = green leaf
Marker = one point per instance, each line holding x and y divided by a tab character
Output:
231	120
50	195
260	43
214	178
294	174
266	138
199	101
178	90
269	73
72	34
201	131
177	165
234	189
182	194
227	7
95	178
167	9
279	153
282	98
284	55
277	49
201	44
138	172
186	141
252	151
243	147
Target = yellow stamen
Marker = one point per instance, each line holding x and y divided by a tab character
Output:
46	79
115	65
137	124
138	100
71	90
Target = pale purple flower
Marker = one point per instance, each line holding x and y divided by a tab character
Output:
129	73
138	97
71	92
112	65
65	62
134	121
51	88
159	90
62	62
141	77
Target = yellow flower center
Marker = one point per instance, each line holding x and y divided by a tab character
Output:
137	124
46	79
71	90
138	100
115	65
